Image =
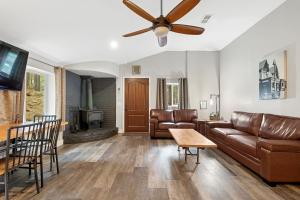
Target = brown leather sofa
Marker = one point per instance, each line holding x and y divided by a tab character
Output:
267	144
162	120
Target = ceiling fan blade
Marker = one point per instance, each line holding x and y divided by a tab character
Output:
186	29
138	32
181	9
139	10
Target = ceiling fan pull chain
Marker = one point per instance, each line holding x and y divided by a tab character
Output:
161	7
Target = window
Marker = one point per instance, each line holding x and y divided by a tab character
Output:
173	94
35	95
40	93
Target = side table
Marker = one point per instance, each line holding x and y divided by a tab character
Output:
201	126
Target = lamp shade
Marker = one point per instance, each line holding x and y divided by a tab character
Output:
211	101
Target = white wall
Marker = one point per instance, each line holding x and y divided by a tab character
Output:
165	65
203	79
201	73
239	64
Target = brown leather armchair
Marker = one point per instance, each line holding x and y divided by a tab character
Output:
267	144
162	120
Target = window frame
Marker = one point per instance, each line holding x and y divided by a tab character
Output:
49	90
172	83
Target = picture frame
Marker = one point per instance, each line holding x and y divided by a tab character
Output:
203	104
273	76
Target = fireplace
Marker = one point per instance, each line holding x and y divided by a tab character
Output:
91	108
91	119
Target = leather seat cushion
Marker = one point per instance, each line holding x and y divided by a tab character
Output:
186	115
185	125
223	132
243	143
166	125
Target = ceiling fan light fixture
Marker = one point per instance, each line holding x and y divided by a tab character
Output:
163	24
161	31
162	41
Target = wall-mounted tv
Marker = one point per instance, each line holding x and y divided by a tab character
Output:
13	63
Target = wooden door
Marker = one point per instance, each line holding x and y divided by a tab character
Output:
136	105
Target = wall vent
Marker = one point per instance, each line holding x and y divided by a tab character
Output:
136	69
206	18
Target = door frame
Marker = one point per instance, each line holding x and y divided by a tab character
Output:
123	96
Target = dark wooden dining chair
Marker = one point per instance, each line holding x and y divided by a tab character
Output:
40	118
21	148
43	118
50	133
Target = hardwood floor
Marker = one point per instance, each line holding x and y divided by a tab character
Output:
135	167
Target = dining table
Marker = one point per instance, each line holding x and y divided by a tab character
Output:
4	128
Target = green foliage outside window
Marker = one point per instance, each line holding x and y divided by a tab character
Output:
35	94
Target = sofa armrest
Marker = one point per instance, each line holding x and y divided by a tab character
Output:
280	160
153	126
195	120
279	145
219	124
154	120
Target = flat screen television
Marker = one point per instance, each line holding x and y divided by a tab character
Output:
13	63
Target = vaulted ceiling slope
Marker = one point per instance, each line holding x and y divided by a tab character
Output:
73	31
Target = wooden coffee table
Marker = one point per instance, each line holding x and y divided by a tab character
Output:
189	138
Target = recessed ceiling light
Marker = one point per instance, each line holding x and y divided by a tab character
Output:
114	44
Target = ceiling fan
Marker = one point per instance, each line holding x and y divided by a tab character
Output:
162	25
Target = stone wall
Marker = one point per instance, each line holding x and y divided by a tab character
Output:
104	98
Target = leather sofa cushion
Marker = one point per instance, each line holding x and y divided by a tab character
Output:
166	125
280	127
279	145
247	122
186	115
185	125
162	115
243	143
223	132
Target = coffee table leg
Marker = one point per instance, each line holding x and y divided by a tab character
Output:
178	148
197	156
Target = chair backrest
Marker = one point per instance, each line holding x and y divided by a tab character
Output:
43	118
22	144
50	134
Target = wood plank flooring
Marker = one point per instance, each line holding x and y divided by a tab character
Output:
138	168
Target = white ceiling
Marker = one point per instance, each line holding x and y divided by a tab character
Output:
92	73
73	31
